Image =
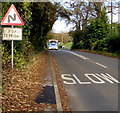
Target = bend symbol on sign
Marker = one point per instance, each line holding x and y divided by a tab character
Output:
10	17
94	78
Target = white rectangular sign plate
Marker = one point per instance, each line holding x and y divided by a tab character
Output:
12	33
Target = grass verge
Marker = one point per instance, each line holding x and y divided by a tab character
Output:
113	55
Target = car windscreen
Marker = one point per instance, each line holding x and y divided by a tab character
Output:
53	42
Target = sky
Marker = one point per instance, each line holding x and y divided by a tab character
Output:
60	25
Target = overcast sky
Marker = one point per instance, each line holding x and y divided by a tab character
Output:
60	26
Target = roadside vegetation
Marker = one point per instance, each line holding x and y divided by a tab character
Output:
39	19
93	30
64	39
30	57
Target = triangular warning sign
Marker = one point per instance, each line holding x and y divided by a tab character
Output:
12	17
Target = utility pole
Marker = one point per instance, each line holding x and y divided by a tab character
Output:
110	10
111	14
62	38
118	12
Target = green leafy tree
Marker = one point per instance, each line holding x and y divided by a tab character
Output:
43	19
98	29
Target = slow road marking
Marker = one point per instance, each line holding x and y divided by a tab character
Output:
93	78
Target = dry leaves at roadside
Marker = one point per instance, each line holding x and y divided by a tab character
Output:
21	88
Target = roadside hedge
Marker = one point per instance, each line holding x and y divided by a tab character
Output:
39	18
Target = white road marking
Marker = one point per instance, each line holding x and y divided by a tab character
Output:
95	78
68	79
101	65
108	78
98	81
81	56
85	58
80	82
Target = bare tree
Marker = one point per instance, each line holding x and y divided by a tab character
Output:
83	11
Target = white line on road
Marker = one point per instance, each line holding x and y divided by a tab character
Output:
98	64
101	65
85	58
81	56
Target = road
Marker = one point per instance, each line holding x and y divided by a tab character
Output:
91	80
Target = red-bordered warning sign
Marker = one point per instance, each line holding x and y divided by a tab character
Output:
12	17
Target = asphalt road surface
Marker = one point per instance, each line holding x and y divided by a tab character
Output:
90	80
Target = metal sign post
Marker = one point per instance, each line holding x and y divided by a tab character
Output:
12	53
12	34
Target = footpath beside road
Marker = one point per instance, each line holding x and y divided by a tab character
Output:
37	88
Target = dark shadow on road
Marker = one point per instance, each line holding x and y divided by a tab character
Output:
47	96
